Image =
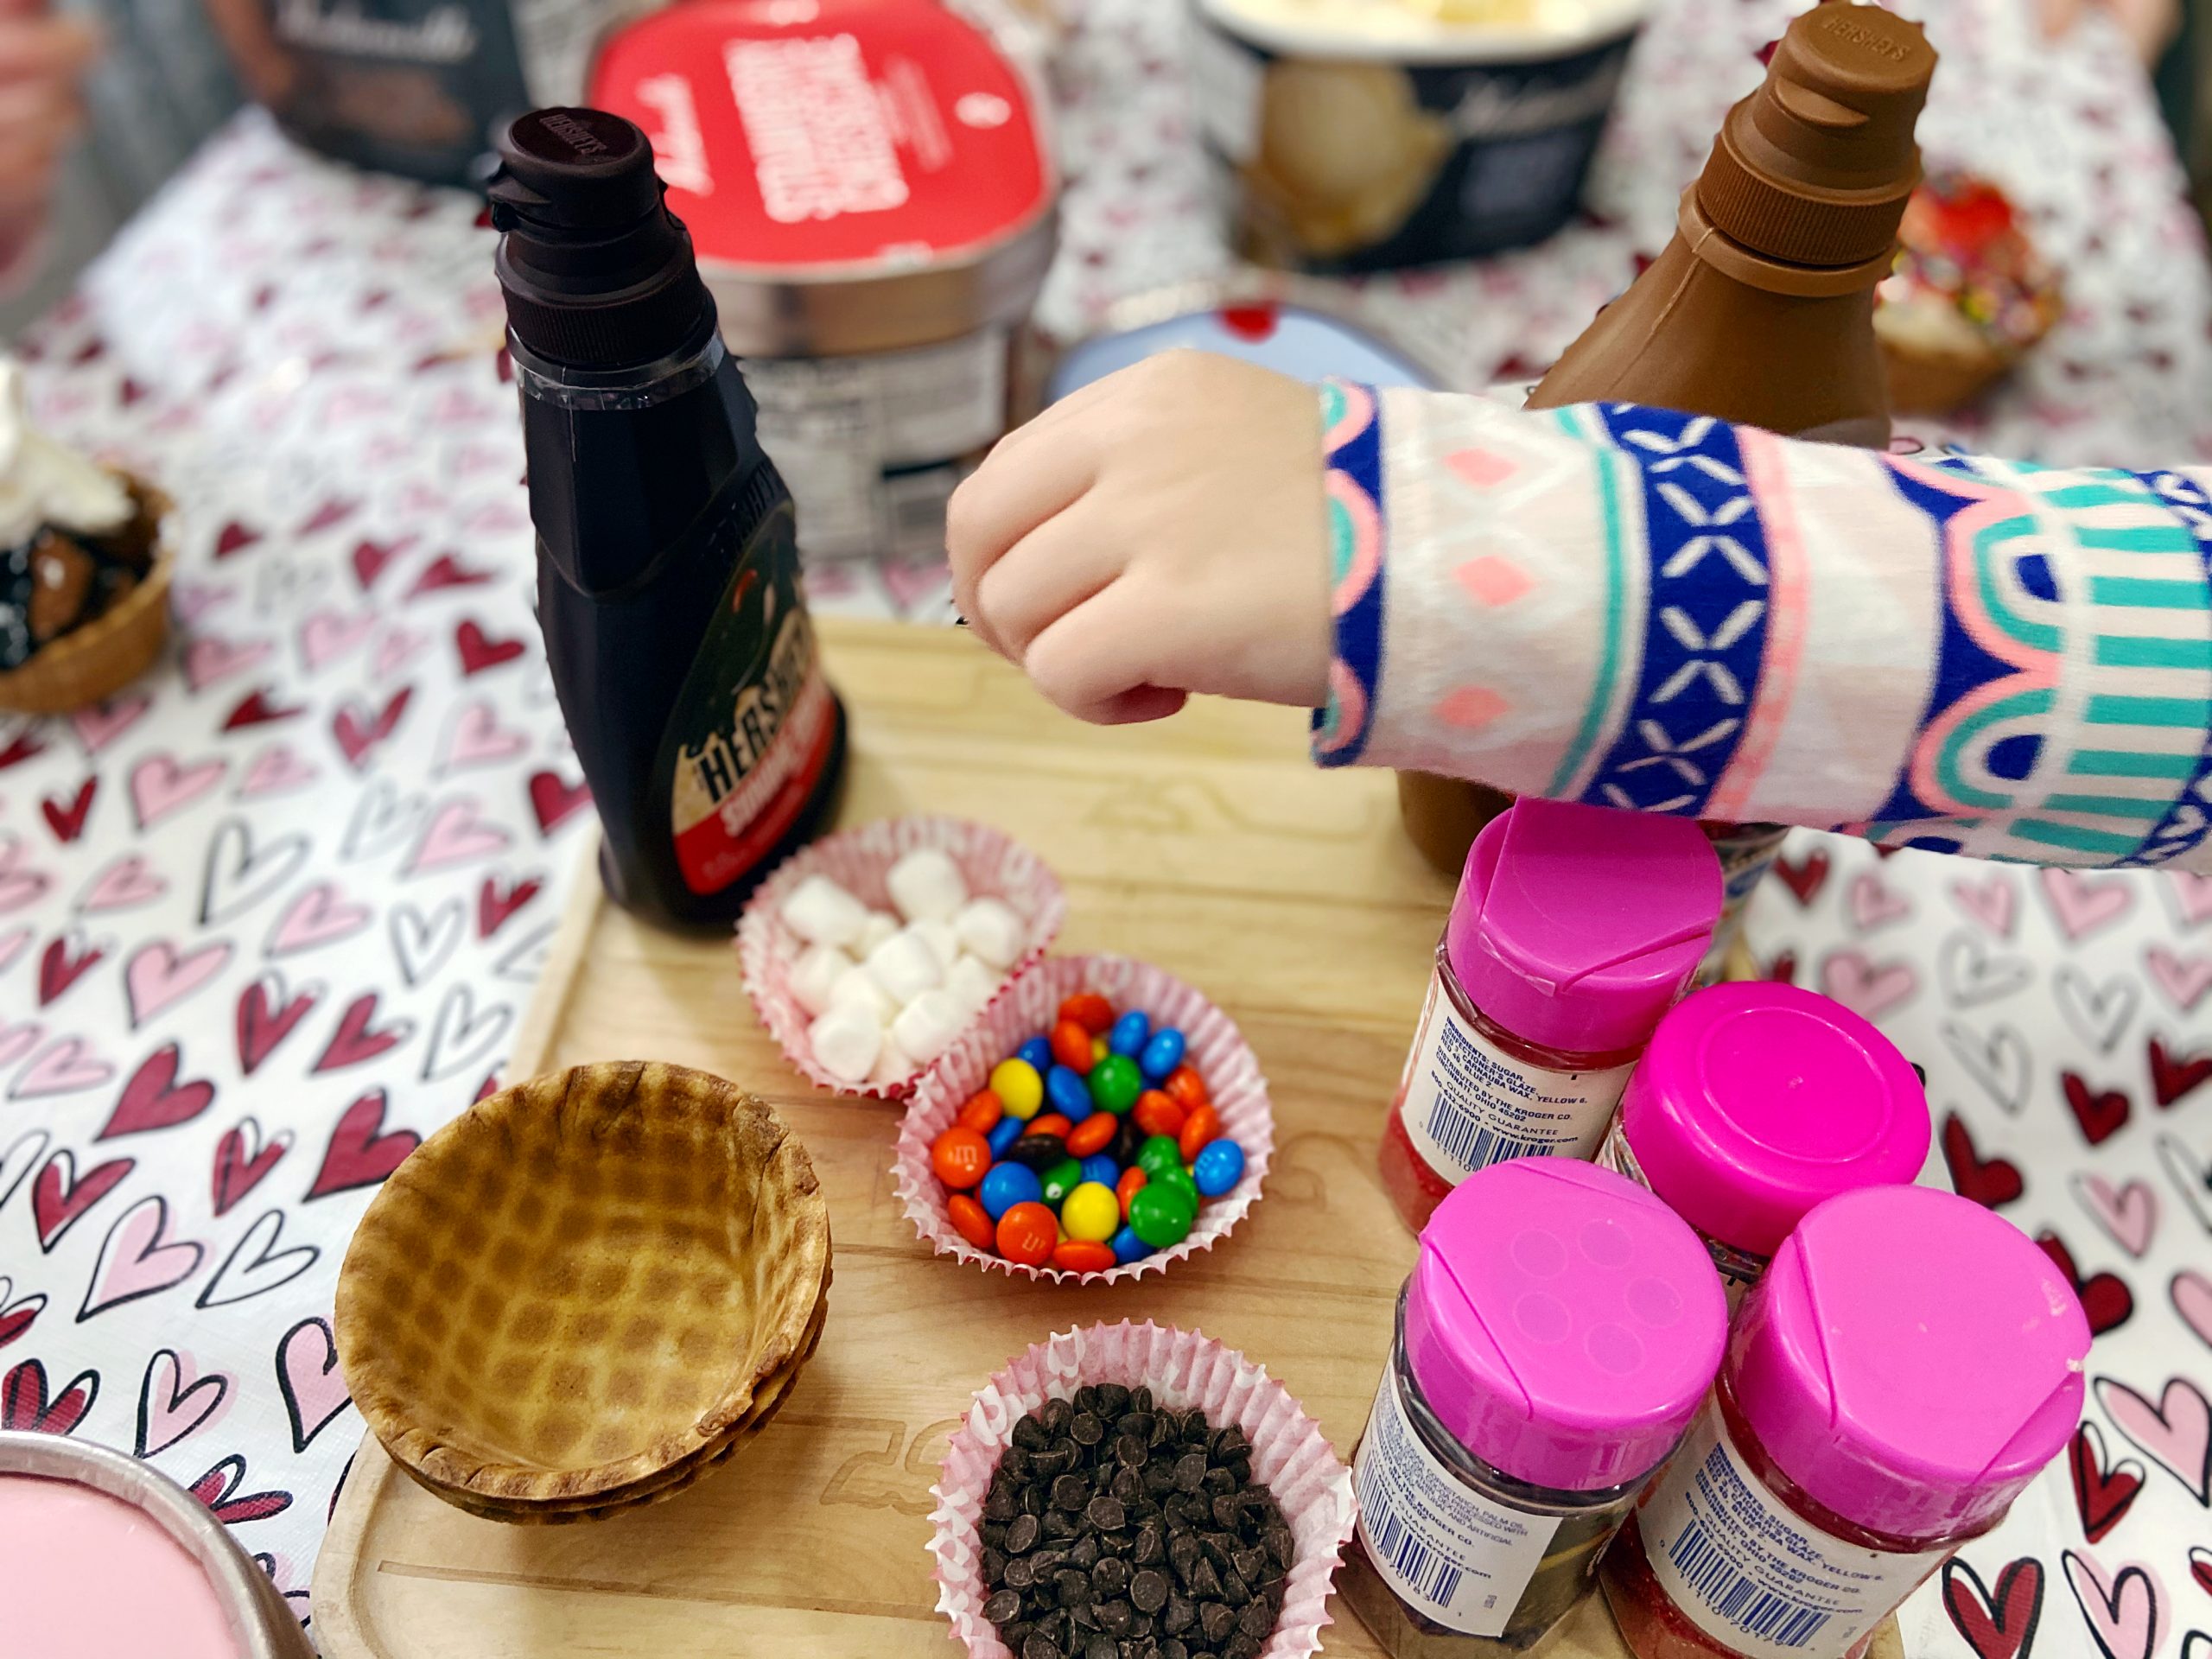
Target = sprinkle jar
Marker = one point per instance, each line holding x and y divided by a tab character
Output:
1555	1338
1756	1102
1574	929
1909	1363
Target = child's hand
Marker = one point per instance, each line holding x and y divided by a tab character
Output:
1158	533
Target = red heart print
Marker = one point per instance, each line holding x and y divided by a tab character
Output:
446	571
357	1154
2105	1298
1805	880
154	1099
15	1318
555	800
1992	1181
2101	1114
335	511
495	905
67	823
59	1199
2102	1495
255	709
19	748
479	651
1999	1626
356	1040
2199	1568
2174	1074
1782	969
371	557
24	1405
266	1019
216	1487
234	538
238	1167
356	735
58	970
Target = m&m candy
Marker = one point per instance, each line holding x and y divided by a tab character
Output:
1020	1087
1007	1186
960	1157
1218	1166
1095	1144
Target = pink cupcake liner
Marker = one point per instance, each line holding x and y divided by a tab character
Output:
1183	1368
860	860
1029	1006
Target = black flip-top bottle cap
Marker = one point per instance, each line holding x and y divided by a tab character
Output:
598	273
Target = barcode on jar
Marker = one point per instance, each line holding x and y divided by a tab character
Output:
1424	1571
1474	1145
1713	1579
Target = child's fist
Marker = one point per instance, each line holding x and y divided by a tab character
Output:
1158	533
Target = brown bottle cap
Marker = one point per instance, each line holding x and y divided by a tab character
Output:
1816	166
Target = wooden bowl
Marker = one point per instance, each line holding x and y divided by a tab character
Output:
91	664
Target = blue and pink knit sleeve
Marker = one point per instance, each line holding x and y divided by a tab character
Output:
1664	612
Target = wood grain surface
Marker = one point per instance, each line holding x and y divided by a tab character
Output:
1208	844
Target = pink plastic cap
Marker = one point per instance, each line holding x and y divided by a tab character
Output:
1563	1322
1576	927
1756	1102
1911	1361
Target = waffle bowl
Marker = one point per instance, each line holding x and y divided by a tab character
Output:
91	664
585	1291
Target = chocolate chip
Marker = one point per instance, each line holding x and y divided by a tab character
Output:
1182	1612
1053	1416
1029	1434
1281	1546
1001	1503
1251	1565
1183	1555
1234	1590
1217	1620
1071	1492
1109	1577
1240	1646
1219	1483
1129	1451
1102	1647
1256	1621
1002	1606
1224	1509
1115	1617
1021	1573
1072	1587
1126	1485
1190	1472
1148	1590
1059	1524
993	1563
1151	1545
1205	1583
1085	1554
1021	1535
1171	1649
1106	1514
1040	1646
1013	1635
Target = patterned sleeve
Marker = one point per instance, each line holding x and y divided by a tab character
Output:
1661	612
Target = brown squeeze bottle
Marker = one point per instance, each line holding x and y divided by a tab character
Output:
1761	310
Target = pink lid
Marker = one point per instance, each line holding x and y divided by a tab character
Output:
1577	927
1911	1361
1754	1101
1562	1322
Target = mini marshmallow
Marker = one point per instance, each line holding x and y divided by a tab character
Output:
926	885
927	1026
856	988
818	967
846	1042
991	928
892	1065
944	942
822	912
974	982
906	967
881	925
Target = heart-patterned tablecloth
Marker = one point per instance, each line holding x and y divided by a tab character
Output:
2065	1021
272	916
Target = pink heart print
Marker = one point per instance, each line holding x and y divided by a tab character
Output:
1866	988
2123	1614
2082	905
159	976
138	1260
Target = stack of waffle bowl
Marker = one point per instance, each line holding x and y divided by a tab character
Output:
585	1292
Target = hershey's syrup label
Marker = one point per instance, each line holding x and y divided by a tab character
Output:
752	727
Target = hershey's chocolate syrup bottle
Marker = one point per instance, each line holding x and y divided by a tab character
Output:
1761	309
668	579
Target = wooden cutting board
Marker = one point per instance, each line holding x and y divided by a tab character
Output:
1208	844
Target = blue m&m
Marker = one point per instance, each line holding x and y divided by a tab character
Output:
1162	1053
1006	1186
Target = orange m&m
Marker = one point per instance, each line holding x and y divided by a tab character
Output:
1092	1135
960	1157
1204	1124
1159	1113
1187	1086
1072	1046
1133	1178
1028	1233
973	1221
982	1112
1091	1011
1083	1255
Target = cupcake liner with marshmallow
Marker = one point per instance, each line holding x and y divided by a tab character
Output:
931	917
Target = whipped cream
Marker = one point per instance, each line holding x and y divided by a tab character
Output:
42	483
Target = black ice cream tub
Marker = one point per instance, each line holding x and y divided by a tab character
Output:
1349	136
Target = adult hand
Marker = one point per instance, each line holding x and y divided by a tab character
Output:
2149	25
43	58
1158	533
